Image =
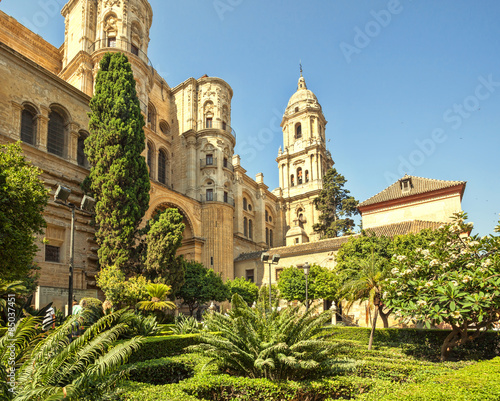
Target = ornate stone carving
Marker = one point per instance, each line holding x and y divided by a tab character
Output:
110	24
111	3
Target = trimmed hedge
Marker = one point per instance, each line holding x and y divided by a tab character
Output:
161	371
479	382
422	342
162	346
227	388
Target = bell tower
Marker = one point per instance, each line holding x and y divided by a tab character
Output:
302	162
94	27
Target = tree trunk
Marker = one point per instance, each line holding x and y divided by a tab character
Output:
373	329
384	316
450	341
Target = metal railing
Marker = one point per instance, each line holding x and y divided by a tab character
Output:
228	165
219	125
211	197
208	162
120	44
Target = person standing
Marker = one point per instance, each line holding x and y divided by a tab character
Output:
49	321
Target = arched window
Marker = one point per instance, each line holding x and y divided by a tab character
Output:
298	131
245	204
299	176
292	180
267	236
162	167
150	160
81	158
271	238
164	128
56	134
152	116
250	229
267	215
28	125
307	175
245	227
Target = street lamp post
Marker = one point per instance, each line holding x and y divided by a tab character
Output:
306	273
274	261
61	197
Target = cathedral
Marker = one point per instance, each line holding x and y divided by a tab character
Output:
230	218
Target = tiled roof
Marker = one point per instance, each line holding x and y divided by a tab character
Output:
333	244
405	227
419	185
249	256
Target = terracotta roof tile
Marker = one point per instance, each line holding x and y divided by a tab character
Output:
419	185
405	227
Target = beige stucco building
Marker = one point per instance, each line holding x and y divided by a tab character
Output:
230	218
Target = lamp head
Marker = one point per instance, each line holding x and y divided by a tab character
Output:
264	257
88	204
276	258
62	194
306	268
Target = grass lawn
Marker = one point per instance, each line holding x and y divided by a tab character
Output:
385	373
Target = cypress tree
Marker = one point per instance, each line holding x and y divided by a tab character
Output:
336	207
119	177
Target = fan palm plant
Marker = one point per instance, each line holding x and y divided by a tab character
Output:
278	345
158	293
52	367
364	282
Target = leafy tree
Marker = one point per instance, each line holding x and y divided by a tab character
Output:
282	345
454	279
201	286
121	291
247	289
54	367
352	260
119	178
158	293
365	280
264	295
23	198
322	284
164	237
336	207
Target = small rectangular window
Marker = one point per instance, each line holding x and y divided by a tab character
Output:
210	160
249	275
224	125
210	195
226	197
134	50
211	260
111	42
52	254
209	122
225	162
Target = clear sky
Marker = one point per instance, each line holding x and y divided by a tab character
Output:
406	86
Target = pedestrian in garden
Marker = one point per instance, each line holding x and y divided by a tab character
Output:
49	321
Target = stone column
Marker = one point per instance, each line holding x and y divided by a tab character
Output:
72	142
17	109
43	128
191	168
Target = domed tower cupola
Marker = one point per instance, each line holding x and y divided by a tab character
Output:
302	83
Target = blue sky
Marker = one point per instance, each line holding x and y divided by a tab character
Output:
406	86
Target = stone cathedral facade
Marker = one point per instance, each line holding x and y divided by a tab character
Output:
230	217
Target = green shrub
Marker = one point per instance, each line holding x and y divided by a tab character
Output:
421	342
478	382
161	371
186	325
162	346
92	302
